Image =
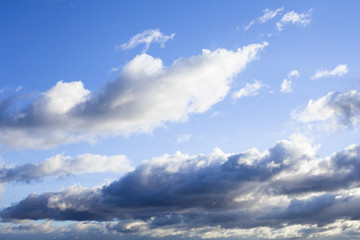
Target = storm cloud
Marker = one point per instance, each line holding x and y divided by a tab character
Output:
286	184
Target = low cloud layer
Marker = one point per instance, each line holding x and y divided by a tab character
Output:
60	165
145	95
285	187
334	112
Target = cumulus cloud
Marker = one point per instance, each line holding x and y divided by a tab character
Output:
339	70
300	19
60	165
268	15
250	89
282	190
286	85
146	95
147	37
335	111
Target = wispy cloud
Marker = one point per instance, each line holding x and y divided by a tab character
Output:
300	19
250	89
268	15
339	70
147	37
183	138
60	165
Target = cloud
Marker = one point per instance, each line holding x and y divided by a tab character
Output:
286	85
268	15
279	192
302	19
248	90
335	111
247	27
146	95
147	37
339	70
60	165
183	138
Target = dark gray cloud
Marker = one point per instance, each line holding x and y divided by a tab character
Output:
286	184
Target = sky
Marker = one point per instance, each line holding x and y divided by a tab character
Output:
179	119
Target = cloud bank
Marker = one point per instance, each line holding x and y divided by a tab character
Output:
286	188
145	95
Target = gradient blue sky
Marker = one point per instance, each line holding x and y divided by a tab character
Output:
189	105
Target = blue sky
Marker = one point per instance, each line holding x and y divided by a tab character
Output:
173	119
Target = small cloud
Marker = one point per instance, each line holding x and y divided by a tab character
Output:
339	70
214	114
183	138
114	69
247	27
18	88
268	15
286	85
293	74
301	19
248	90
146	37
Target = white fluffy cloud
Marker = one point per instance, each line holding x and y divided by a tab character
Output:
339	70
301	19
250	89
145	95
147	37
335	111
